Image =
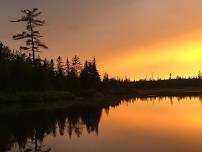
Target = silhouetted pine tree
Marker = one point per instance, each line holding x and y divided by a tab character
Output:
73	72
76	65
52	74
106	77
32	36
60	66
85	76
60	73
89	77
96	76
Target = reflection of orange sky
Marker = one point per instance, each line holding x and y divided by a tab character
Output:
156	125
142	126
181	56
182	117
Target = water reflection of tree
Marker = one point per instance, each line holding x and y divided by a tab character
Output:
27	130
154	99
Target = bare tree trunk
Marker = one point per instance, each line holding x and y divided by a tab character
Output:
32	37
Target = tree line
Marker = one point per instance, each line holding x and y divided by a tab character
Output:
19	72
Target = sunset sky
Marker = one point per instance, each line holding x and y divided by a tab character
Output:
134	38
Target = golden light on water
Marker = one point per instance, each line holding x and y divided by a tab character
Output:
161	116
161	124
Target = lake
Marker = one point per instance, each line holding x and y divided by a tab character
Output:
135	125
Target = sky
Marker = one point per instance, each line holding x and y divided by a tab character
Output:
134	38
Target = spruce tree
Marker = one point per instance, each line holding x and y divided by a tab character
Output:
67	66
76	65
60	66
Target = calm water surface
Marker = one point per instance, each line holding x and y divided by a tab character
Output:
138	125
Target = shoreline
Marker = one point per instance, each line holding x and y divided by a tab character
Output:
170	92
52	100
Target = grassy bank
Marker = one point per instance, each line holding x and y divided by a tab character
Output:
56	96
32	101
30	97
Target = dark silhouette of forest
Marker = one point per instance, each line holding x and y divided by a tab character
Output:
18	72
